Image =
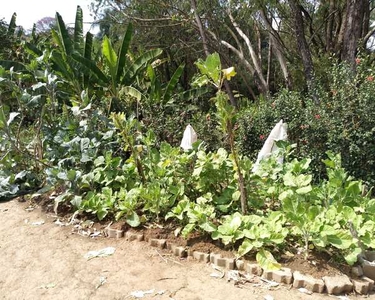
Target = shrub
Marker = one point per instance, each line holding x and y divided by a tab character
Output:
343	121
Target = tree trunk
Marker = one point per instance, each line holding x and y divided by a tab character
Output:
329	28
341	30
366	20
303	47
279	53
277	45
355	12
269	59
200	27
254	57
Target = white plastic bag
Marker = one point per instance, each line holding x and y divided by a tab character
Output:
278	133
189	138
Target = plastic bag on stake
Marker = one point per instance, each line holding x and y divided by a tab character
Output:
189	138
278	133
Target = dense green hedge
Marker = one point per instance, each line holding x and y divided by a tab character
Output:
344	121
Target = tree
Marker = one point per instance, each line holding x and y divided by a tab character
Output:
269	42
45	24
354	28
303	47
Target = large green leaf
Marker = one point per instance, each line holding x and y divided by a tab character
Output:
109	56
61	64
155	89
133	92
304	190
123	51
90	65
33	50
194	93
87	55
78	31
245	247
172	83
57	39
12	25
88	45
341	240
64	34
211	67
133	220
352	257
17	66
289	179
139	65
266	260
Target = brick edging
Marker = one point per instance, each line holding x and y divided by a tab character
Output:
334	285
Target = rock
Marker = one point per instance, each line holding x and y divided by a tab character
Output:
370	255
114	233
178	251
200	256
369	269
158	243
253	269
363	285
284	275
306	281
338	284
132	236
222	262
357	271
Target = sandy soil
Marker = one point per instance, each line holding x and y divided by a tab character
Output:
47	262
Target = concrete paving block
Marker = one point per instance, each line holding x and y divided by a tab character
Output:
178	251
338	284
170	245
308	282
363	285
114	233
284	275
253	269
201	256
190	252
214	257
230	264
369	270
240	265
158	243
218	260
357	271
132	236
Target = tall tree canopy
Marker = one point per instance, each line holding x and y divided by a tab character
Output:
271	43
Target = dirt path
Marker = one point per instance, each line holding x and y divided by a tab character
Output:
47	262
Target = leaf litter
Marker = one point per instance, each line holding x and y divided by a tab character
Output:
100	253
102	280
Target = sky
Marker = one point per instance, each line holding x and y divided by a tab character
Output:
31	11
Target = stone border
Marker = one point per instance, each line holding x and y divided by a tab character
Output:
334	285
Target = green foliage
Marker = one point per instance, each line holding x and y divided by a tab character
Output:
55	133
343	122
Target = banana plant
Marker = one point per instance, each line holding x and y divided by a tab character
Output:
11	41
68	47
158	94
122	73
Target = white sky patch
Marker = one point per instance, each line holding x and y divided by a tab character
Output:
31	11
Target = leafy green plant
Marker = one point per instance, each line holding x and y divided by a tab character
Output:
211	72
71	49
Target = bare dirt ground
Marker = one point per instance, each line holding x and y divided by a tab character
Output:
47	262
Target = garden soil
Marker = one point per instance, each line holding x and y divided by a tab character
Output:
47	261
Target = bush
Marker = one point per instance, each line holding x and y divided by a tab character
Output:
343	121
